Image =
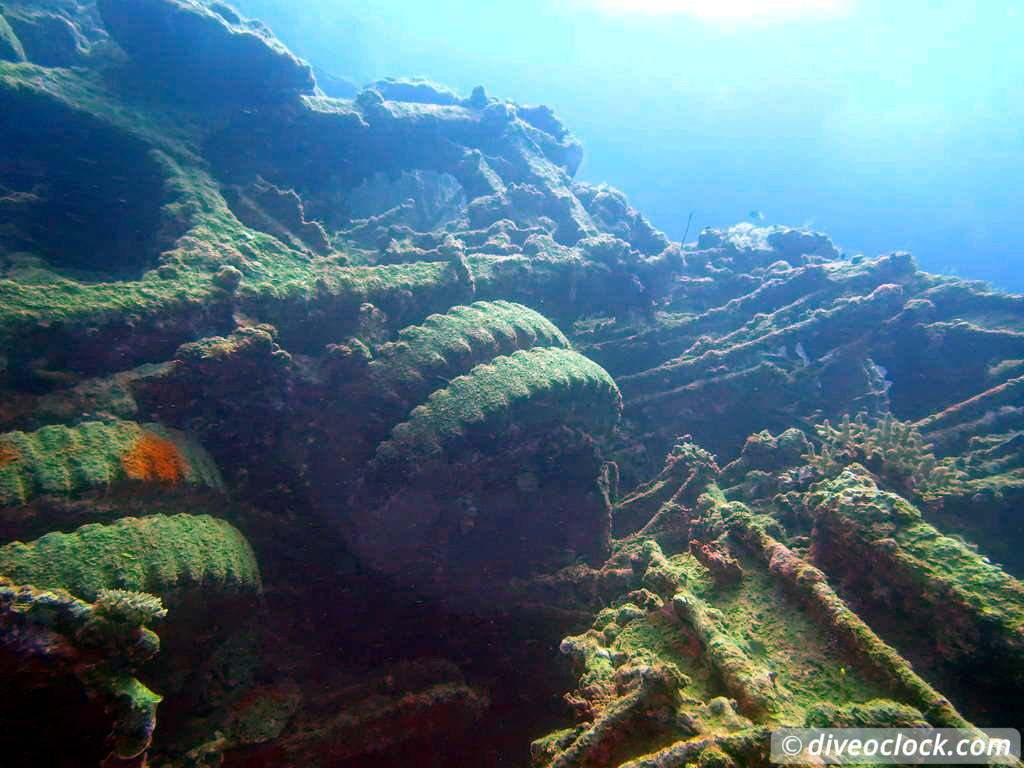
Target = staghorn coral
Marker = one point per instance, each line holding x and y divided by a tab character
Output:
894	450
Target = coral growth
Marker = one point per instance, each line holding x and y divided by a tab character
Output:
66	461
159	555
528	387
102	645
368	408
153	458
892	449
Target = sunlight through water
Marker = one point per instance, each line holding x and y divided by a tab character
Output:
730	10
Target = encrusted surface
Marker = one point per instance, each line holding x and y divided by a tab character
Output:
385	358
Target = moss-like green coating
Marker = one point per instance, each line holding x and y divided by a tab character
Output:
101	644
744	747
534	387
161	555
10	46
976	608
946	569
447	345
66	461
753	686
878	713
135	706
811	586
277	283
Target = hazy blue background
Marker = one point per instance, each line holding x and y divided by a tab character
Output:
892	125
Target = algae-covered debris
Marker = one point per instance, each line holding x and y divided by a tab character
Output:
404	441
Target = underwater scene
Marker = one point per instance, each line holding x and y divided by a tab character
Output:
351	422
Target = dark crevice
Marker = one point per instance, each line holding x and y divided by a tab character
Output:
84	197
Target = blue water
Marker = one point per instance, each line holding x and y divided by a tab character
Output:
887	125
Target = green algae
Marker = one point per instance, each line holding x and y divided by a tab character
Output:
277	283
85	92
534	386
766	640
102	645
157	554
812	587
10	46
877	713
221	270
943	567
448	344
136	707
784	636
659	635
97	456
